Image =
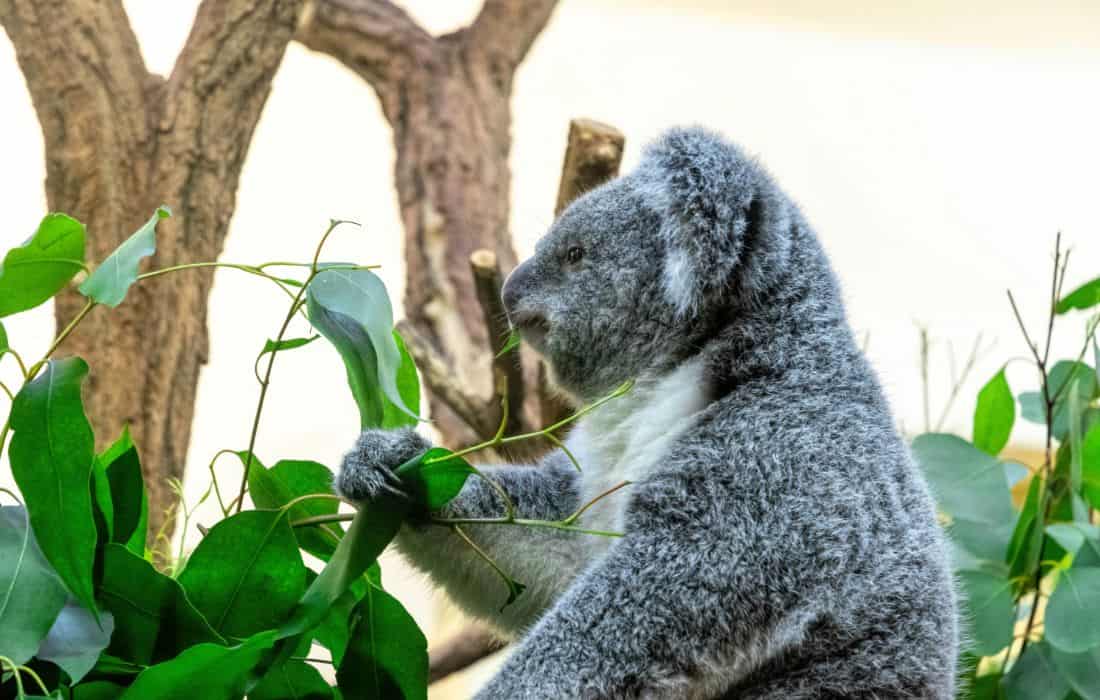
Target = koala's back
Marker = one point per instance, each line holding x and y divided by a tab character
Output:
814	489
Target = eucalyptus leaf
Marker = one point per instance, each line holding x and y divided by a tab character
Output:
408	386
280	345
1081	671
246	575
3	340
994	415
41	267
434	483
1090	466
988	600
76	640
204	671
51	460
387	656
287	480
510	343
31	594
1084	297
1073	610
1027	537
154	619
1035	677
122	466
350	306
110	281
292	680
97	690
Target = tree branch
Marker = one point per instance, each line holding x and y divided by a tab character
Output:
505	29
374	38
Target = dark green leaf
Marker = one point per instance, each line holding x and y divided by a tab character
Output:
1090	466
1070	536
351	309
1027	537
206	671
153	617
511	343
435	483
293	680
110	281
31	594
1065	377
387	657
40	268
97	690
334	630
76	639
1073	611
128	496
109	665
1034	676
994	415
1081	671
991	610
288	479
1084	297
3	340
408	385
51	459
246	574
280	345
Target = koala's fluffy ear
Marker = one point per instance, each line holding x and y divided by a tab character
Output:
715	205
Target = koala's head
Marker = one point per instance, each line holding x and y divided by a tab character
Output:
636	273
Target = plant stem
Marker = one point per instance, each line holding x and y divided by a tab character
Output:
88	306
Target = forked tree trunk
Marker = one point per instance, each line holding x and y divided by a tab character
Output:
119	142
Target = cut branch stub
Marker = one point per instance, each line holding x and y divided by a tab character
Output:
592	157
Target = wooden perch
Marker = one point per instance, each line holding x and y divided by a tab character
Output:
507	371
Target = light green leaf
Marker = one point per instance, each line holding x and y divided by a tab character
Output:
31	594
435	483
352	310
109	282
1034	676
1081	671
1084	297
206	671
154	620
387	656
41	267
246	574
3	340
51	460
76	639
408	385
1070	536
1074	609
994	415
511	343
1090	466
293	680
991	610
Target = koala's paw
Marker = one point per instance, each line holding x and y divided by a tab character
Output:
367	471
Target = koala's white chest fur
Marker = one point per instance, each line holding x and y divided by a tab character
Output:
625	438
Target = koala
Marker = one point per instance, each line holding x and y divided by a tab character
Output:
778	540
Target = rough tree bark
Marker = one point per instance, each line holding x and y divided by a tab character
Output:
447	99
120	141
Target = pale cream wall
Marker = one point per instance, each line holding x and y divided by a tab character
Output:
937	146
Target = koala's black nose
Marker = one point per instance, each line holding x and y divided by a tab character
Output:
515	287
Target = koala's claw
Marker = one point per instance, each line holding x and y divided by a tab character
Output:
367	471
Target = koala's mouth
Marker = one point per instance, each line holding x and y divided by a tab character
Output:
532	326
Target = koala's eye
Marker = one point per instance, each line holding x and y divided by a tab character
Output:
574	254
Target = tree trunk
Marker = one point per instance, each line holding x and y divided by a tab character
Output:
121	141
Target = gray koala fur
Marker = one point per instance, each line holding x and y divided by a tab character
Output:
779	541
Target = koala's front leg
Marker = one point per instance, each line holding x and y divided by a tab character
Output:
544	560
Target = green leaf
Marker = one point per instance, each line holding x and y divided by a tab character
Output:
31	594
1081	671
284	344
991	610
994	415
511	343
1064	378
51	460
293	680
408	385
969	486
1034	676
334	630
109	282
432	483
247	574
109	665
288	479
122	466
352	310
1073	611
1090	466
1070	536
203	671
97	690
76	639
387	657
1027	537
40	268
154	620
3	340
1084	297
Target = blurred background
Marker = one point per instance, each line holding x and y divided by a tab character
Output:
937	147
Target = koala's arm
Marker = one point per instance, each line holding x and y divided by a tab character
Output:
544	560
682	606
